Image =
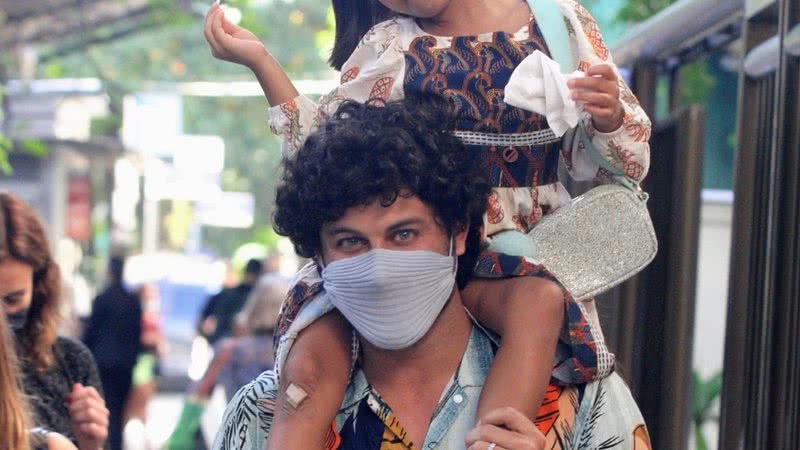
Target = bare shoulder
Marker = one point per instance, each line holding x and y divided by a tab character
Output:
56	441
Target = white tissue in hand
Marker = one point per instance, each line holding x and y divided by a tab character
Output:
538	85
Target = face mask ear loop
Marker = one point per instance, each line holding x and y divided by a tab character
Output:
453	255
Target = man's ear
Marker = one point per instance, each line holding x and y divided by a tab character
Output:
460	239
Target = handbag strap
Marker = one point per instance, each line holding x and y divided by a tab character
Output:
554	30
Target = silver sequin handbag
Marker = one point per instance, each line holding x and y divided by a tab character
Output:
599	240
596	241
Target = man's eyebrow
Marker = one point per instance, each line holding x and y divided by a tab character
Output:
342	230
405	223
13	293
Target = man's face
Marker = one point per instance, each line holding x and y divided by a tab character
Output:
406	224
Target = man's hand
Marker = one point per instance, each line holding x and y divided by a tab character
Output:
88	416
507	429
599	91
231	42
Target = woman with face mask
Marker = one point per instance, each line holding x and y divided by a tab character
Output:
15	427
59	374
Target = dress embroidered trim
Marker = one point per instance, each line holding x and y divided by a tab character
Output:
540	137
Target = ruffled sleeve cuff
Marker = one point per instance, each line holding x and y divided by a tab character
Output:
292	121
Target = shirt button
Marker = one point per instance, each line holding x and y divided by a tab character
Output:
432	444
458	398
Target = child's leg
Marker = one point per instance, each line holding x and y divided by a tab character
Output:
316	373
528	312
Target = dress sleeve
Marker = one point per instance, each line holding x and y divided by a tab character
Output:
370	73
248	417
627	148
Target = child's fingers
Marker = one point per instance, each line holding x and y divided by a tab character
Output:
602	70
228	26
598	99
209	34
210	19
602	114
222	39
591	84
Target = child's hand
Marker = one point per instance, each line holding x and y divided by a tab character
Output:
231	42
599	91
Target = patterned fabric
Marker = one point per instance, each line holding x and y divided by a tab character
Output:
472	72
397	58
598	415
577	350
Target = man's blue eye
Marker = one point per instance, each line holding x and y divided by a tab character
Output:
349	242
404	235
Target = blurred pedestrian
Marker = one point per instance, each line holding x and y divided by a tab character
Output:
147	364
237	361
216	319
59	374
113	334
243	358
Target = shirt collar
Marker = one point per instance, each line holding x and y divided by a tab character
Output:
471	373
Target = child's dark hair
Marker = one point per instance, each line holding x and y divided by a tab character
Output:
353	19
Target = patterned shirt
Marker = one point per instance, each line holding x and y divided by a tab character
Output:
601	414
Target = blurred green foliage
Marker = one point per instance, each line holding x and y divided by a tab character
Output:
706	394
639	10
33	147
696	78
298	33
295	32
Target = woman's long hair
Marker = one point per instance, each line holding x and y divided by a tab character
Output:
14	420
22	238
353	19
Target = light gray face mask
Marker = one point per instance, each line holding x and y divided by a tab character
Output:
391	297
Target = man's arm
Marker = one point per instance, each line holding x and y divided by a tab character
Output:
248	416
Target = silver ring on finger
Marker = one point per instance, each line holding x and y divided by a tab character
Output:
491	446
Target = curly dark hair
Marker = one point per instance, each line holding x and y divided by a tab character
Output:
373	151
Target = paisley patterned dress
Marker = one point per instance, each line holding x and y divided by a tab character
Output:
397	59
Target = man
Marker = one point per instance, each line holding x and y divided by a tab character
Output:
217	317
113	334
383	199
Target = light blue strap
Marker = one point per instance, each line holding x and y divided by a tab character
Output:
554	29
551	22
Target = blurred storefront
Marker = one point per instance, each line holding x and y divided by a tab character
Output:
63	167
